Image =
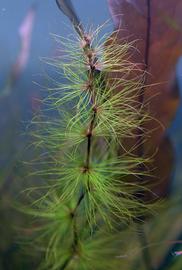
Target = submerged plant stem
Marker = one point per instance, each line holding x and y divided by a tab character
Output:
65	264
89	136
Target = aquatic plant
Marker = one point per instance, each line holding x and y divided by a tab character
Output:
85	197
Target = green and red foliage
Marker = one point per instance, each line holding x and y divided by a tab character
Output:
156	27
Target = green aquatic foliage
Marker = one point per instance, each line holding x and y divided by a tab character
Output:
85	197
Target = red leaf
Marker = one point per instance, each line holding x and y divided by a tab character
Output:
164	49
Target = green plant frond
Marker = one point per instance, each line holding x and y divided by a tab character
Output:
55	135
95	252
51	232
105	190
98	252
86	184
115	122
112	197
55	244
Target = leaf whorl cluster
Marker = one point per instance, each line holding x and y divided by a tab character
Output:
86	195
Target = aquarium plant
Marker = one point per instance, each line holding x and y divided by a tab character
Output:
85	196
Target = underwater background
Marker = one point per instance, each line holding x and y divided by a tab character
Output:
26	29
